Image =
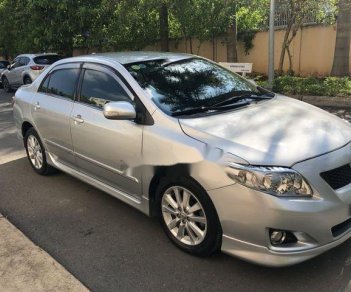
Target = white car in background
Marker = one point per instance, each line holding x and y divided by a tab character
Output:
25	69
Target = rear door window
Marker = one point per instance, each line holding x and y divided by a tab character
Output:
24	61
62	83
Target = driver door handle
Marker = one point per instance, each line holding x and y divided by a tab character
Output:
78	119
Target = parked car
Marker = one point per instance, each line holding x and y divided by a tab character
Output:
3	67
25	69
223	163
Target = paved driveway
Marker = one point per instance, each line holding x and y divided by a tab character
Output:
111	247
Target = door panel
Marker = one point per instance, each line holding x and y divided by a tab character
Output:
52	108
51	116
106	149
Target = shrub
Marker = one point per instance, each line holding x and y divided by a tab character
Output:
329	86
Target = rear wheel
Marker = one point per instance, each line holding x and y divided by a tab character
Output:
6	84
36	153
188	217
27	80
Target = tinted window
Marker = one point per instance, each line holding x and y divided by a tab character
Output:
15	63
45	85
46	60
187	84
62	82
99	88
24	61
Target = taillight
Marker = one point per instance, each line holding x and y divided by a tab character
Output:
36	67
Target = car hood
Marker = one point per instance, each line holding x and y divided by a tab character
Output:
281	131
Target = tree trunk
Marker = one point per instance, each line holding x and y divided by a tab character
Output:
164	30
343	38
284	45
213	48
232	54
191	45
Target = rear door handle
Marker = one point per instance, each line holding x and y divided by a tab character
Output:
37	106
78	119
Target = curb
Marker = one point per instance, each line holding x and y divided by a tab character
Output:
325	101
24	266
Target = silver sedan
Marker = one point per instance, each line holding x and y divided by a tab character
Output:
224	164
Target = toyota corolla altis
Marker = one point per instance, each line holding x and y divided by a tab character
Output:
224	164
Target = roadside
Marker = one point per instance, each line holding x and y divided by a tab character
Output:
23	265
26	267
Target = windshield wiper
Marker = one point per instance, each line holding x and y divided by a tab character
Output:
247	95
230	103
203	109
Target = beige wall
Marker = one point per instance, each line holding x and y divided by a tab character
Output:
312	50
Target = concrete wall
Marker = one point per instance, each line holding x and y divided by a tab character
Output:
312	50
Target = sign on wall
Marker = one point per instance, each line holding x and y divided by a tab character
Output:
238	67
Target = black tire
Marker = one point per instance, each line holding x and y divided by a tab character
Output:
27	80
45	168
6	85
213	239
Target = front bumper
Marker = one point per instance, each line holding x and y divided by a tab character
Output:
247	215
266	257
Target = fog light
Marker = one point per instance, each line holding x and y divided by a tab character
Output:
277	237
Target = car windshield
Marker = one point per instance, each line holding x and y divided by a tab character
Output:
46	59
188	84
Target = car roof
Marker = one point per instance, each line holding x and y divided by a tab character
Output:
139	56
36	55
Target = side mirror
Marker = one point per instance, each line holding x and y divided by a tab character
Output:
9	67
120	110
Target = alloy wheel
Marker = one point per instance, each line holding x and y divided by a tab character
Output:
35	152
5	84
184	215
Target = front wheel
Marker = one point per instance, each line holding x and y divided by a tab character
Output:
36	153
188	217
6	84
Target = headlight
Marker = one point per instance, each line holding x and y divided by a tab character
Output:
277	181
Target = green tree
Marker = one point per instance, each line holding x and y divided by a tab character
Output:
297	13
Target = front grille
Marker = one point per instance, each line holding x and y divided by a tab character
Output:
341	228
338	177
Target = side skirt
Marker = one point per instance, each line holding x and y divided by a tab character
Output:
142	205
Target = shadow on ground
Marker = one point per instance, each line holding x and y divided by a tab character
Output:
109	246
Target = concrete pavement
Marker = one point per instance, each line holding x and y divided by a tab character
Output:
26	267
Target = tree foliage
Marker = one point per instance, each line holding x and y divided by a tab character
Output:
61	25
